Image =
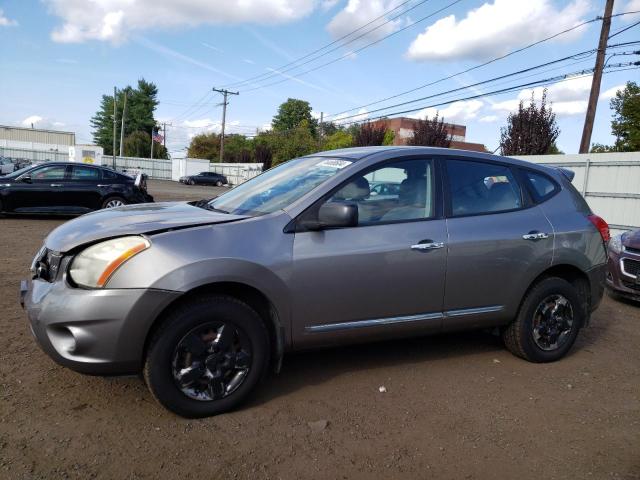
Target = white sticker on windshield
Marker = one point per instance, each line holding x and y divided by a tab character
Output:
334	163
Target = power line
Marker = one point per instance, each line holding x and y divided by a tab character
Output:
624	29
327	45
347	55
449	77
519	72
546	81
275	72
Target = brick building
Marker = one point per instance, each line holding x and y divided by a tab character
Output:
403	129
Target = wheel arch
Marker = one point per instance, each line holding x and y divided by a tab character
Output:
575	276
255	298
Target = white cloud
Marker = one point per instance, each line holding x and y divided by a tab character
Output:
38	121
6	22
609	94
496	28
360	12
567	98
328	4
488	118
630	6
461	111
114	20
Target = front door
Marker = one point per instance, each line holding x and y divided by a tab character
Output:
42	191
381	279
498	242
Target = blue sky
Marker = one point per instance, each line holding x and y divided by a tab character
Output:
57	58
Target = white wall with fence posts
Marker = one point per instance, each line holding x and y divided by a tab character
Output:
610	182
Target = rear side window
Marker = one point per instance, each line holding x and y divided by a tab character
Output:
85	173
477	187
542	187
109	174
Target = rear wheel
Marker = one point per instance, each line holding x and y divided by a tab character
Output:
548	322
219	183
113	202
207	356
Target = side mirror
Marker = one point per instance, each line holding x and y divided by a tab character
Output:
333	215
25	179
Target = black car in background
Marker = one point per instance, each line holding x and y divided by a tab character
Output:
68	188
205	178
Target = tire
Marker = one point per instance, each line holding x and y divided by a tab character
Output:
199	318
219	183
523	338
191	182
113	202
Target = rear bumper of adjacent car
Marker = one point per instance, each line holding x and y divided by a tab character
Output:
100	332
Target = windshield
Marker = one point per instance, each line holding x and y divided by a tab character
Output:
278	187
17	173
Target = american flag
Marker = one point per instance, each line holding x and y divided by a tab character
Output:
157	137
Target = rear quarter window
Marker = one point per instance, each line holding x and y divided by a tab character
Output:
541	186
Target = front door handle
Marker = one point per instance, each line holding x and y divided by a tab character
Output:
535	236
427	245
56	184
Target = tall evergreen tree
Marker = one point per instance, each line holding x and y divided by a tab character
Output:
141	104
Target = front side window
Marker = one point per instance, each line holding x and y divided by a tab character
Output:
278	187
48	173
85	173
398	191
478	187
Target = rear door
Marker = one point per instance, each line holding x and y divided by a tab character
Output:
83	188
382	278
498	243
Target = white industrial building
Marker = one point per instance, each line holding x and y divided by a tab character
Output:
36	139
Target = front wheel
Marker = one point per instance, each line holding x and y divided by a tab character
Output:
191	181
548	322
207	356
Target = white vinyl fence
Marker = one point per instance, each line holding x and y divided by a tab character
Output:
237	173
610	182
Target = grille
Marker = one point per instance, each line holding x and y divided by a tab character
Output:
632	250
631	285
632	267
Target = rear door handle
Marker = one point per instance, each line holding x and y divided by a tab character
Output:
427	245
56	184
535	236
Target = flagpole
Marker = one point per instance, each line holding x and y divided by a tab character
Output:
152	129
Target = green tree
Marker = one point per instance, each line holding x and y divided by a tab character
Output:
205	146
389	137
138	144
600	148
625	125
291	114
339	139
141	104
531	130
237	149
431	133
262	154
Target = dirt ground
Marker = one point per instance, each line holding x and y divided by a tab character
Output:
455	407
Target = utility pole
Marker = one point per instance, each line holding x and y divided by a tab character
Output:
585	143
153	130
321	125
164	133
124	113
224	117
114	127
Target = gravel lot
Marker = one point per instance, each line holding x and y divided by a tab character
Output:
456	406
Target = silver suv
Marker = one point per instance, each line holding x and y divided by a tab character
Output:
204	297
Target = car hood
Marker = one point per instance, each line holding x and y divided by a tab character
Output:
631	239
131	220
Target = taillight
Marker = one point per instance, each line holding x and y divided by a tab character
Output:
602	227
